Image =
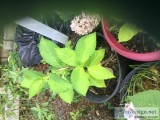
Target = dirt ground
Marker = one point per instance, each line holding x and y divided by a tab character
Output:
82	109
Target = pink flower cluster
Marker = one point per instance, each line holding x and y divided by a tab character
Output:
84	24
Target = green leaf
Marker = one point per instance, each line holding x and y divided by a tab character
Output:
67	96
29	76
26	83
99	72
47	51
58	84
127	31
85	47
148	98
36	87
96	58
80	81
35	109
12	74
96	82
32	74
45	104
67	55
40	115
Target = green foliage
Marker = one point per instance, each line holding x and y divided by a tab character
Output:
67	56
33	80
67	95
12	70
96	82
47	51
148	98
127	31
3	102
85	47
11	74
70	69
96	57
35	87
57	84
99	72
76	115
80	81
42	112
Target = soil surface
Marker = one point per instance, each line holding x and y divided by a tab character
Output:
85	110
141	43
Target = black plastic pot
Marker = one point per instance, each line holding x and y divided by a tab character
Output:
128	78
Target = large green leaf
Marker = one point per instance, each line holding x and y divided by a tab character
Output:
80	80
26	82
47	51
127	31
99	72
67	96
67	55
32	74
150	98
58	84
96	58
29	76
96	82
85	47
36	87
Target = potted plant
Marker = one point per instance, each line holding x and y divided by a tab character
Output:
80	27
71	70
129	31
141	86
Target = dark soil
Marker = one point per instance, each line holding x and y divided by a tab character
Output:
141	43
84	110
42	68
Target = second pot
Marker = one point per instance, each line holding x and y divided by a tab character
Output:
119	48
125	84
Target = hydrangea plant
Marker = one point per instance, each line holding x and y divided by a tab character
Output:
71	69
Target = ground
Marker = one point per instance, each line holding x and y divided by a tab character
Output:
85	110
